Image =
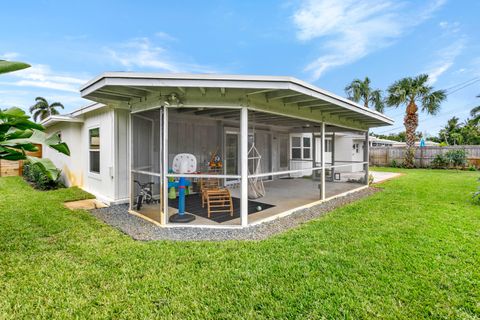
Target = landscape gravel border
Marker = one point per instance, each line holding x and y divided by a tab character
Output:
139	229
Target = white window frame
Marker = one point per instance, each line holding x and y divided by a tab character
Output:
302	146
94	150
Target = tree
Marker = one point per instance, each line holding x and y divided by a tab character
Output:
18	134
42	109
360	91
411	91
450	133
475	113
10	66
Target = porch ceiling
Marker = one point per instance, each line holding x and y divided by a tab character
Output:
281	96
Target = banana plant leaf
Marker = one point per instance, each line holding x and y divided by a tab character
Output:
46	165
10	66
38	137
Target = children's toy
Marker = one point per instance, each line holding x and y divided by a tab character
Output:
183	163
145	195
215	161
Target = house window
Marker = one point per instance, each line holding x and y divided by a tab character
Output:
301	147
355	147
94	149
296	148
328	145
306	147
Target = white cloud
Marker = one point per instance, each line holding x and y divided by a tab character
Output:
165	36
42	76
450	27
352	29
9	55
142	53
446	58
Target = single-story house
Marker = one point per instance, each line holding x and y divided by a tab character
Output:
299	143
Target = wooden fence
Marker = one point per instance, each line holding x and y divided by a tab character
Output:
15	168
387	156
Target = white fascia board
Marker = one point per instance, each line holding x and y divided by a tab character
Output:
226	81
51	120
89	108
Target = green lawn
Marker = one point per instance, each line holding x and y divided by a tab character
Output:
410	251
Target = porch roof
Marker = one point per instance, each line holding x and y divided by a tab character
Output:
273	92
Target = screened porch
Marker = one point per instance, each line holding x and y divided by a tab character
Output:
283	156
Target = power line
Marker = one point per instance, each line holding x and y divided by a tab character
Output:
463	87
461	83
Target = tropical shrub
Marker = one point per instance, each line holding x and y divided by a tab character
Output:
440	162
456	158
34	174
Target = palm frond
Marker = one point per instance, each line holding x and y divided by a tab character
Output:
353	90
475	112
431	102
377	100
40	115
57	104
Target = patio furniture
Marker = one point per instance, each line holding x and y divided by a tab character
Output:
215	197
218	200
208	184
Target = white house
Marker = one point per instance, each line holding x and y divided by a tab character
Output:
310	141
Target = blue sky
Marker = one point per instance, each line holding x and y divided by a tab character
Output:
326	42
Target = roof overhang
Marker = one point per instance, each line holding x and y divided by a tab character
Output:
52	120
287	92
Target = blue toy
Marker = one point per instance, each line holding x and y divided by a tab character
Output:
183	163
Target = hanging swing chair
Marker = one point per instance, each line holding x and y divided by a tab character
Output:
256	189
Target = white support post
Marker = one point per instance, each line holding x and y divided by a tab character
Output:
322	152
130	164
366	156
244	166
165	165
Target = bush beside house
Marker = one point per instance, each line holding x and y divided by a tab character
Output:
37	177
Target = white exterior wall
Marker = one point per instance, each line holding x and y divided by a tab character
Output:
71	166
344	152
111	184
102	184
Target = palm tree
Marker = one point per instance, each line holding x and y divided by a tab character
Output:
42	109
360	91
475	113
10	66
409	91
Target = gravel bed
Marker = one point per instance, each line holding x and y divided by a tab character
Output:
139	229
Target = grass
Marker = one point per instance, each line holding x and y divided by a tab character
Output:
410	251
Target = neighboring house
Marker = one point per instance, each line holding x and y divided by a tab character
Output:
377	142
140	121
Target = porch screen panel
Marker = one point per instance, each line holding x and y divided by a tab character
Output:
146	181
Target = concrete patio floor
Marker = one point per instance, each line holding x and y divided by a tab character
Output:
284	194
